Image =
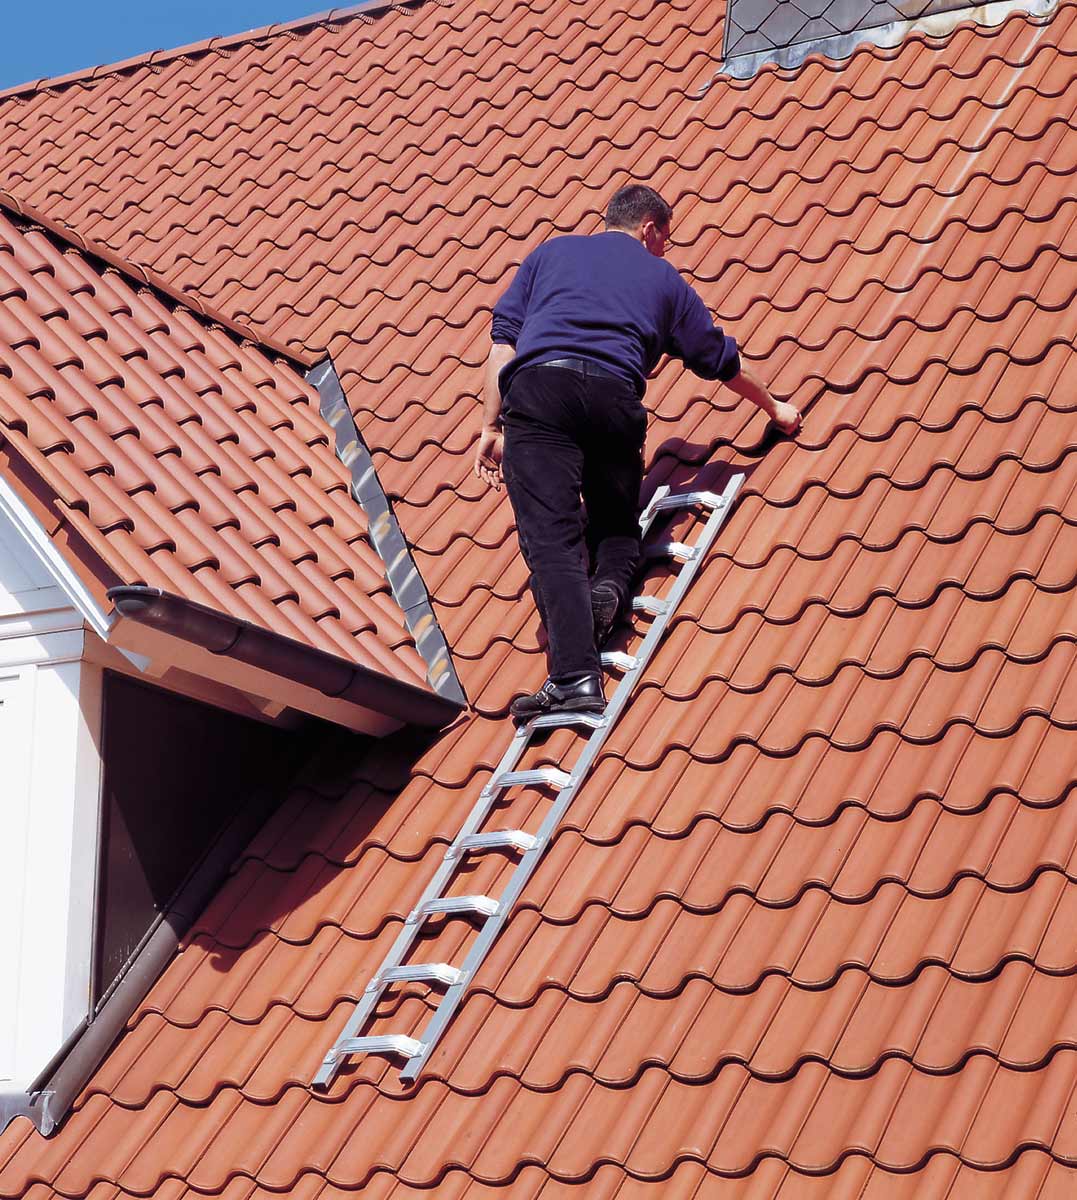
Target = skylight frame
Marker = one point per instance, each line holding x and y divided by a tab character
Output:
937	18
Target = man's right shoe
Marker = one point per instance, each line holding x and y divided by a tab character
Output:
583	695
605	609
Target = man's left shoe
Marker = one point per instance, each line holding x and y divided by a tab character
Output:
605	609
583	695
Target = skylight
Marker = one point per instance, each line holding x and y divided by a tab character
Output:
787	31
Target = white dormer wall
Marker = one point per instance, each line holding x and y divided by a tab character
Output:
50	782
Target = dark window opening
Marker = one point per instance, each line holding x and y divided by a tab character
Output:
766	26
176	772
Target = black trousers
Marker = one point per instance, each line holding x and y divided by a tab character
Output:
570	436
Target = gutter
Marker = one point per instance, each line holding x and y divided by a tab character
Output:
247	643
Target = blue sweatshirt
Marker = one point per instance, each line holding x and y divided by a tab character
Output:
604	297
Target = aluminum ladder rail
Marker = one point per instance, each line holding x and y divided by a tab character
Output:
494	912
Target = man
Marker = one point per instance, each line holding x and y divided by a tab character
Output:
582	325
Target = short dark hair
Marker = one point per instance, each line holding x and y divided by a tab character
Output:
635	203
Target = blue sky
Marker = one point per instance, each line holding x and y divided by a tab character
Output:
52	37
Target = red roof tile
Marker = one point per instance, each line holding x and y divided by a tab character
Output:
181	457
807	931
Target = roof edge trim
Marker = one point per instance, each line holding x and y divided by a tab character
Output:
408	588
159	57
42	545
220	633
842	45
144	278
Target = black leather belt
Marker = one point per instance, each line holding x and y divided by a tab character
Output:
585	367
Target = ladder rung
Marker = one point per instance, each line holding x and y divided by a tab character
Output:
618	659
516	839
418	973
388	1043
650	604
677	550
485	906
547	775
592	720
687	500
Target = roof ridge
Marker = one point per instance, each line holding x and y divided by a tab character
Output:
146	278
161	56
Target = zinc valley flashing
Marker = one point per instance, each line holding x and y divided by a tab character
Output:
841	46
408	588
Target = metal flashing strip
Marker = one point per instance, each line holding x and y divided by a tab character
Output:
840	46
42	545
406	583
34	1106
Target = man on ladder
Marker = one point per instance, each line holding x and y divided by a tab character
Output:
582	325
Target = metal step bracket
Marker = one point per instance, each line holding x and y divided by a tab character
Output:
472	838
651	605
483	906
677	550
541	776
441	973
505	839
618	659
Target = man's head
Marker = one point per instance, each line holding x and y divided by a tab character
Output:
643	213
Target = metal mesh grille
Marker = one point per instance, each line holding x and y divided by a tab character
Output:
768	25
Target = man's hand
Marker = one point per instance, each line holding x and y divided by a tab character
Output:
786	417
747	383
488	457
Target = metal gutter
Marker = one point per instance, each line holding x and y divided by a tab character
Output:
406	583
50	1097
235	638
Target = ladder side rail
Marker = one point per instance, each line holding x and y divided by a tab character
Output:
530	859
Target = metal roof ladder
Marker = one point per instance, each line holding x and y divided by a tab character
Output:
472	839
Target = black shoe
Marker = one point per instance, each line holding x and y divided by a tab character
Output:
605	609
584	695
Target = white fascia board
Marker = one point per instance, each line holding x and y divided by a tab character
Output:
12	506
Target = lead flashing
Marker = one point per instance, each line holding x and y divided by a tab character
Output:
406	583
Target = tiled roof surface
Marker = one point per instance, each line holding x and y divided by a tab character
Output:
176	456
808	931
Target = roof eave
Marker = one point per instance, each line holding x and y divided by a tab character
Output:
308	666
